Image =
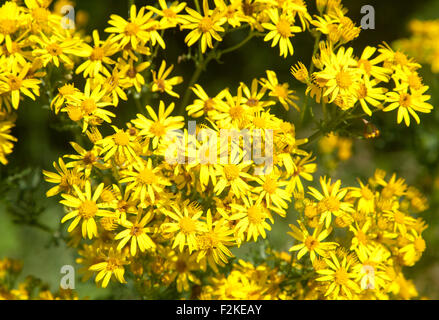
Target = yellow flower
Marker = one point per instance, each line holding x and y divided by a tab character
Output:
65	178
113	265
205	27
20	82
136	232
85	207
339	278
57	49
160	126
213	242
251	219
169	15
144	180
311	243
331	200
185	227
89	106
120	145
281	28
134	31
160	83
280	91
97	56
408	104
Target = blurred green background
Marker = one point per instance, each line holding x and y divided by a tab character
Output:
412	152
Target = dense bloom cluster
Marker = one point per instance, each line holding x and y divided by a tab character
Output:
134	215
423	44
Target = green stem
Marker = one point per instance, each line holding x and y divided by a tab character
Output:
197	6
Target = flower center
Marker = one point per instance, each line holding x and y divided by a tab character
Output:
344	79
88	209
254	214
168	13
89	158
236	112
311	243
181	266
205	24
405	100
259	122
208	105
361	237
281	91
97	54
131	29
14	83
161	85
331	204
121	138
187	225
147	176
157	129
252	102
231	171
136	230
341	276
54	49
88	105
270	185
284	28
362	92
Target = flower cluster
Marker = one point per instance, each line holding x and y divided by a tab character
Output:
164	204
422	44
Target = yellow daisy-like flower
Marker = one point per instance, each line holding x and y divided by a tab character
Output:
136	232
97	56
160	83
19	82
281	28
339	277
64	178
57	49
169	14
331	200
311	243
281	92
205	27
113	265
160	125
251	219
89	106
214	241
133	31
408	104
120	144
86	208
144	180
185	227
